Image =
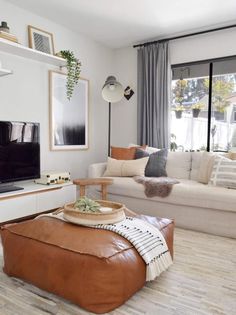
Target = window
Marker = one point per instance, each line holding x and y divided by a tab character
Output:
203	114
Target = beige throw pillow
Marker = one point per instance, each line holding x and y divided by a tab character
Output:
206	165
233	155
205	168
125	168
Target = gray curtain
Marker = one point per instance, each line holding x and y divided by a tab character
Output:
154	90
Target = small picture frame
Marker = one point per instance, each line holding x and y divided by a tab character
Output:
41	40
128	93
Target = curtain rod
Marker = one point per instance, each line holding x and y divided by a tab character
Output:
185	35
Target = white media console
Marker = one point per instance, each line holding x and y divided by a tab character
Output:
33	199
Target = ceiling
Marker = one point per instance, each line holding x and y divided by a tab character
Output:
120	23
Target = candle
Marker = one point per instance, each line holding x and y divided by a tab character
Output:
105	209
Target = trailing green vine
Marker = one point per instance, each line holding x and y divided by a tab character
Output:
73	66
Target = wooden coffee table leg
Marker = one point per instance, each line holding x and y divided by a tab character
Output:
104	192
82	190
83	182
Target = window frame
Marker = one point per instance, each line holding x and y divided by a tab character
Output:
210	63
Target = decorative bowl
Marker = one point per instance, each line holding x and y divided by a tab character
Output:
73	215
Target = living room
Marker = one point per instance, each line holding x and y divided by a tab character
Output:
195	44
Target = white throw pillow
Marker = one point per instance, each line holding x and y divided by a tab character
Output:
206	165
205	168
224	173
148	149
151	150
232	155
125	168
131	145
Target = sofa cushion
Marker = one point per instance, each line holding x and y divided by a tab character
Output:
125	167
178	165
195	165
156	165
187	192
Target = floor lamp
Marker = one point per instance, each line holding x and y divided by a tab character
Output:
112	92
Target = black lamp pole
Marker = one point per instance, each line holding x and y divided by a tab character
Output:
109	129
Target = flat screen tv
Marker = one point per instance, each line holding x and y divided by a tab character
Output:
19	153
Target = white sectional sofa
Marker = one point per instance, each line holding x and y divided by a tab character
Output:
191	204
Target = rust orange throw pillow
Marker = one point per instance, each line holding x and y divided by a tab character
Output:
124	153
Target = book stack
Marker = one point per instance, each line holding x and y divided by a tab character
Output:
8	36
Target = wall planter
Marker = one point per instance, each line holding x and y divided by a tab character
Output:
196	112
178	114
196	108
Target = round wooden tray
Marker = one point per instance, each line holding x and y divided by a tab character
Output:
84	218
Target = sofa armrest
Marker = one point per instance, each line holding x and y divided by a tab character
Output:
96	170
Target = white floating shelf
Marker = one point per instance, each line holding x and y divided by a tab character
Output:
25	52
5	72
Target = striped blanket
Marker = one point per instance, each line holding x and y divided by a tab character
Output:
223	173
147	240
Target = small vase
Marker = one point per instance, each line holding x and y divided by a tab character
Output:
196	112
4	27
178	114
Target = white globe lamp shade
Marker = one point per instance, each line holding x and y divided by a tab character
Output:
112	90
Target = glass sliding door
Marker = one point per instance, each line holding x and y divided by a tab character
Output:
223	111
189	112
203	110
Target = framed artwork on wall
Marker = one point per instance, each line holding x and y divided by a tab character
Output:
41	40
68	118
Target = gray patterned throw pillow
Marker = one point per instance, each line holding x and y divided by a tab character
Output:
156	166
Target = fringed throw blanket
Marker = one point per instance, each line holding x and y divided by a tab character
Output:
156	186
147	240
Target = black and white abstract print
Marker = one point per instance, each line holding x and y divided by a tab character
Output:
69	118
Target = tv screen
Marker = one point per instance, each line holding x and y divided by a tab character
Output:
19	151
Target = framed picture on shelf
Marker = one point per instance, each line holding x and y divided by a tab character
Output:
68	118
41	40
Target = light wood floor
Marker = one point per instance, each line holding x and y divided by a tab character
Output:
201	281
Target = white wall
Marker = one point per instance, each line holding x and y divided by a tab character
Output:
124	113
24	95
213	45
207	46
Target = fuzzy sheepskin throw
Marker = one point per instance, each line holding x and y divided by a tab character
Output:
156	186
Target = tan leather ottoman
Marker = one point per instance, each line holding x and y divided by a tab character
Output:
96	269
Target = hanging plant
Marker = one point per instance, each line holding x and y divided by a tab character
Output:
73	66
196	108
178	110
